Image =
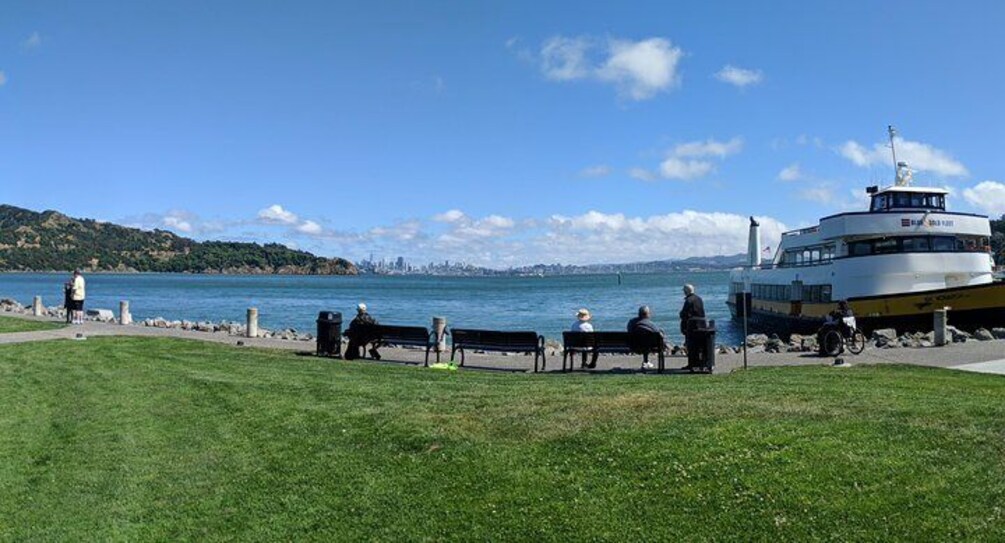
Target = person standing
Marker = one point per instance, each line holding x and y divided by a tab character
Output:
78	294
68	301
692	317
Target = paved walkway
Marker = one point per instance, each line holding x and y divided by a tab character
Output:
981	356
996	367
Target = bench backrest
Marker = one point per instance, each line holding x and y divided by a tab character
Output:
495	339
577	340
391	332
612	340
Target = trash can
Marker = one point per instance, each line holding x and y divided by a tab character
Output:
329	333
708	340
701	345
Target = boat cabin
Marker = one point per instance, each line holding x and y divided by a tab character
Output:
899	198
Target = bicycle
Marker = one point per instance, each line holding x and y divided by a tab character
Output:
834	342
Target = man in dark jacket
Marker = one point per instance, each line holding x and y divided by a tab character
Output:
692	317
640	330
361	331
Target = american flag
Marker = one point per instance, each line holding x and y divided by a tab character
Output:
766	250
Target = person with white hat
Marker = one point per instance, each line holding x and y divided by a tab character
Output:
582	323
360	332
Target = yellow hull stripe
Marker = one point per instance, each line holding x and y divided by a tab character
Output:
991	296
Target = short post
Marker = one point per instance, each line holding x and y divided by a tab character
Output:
440	328
125	317
252	329
941	323
36	306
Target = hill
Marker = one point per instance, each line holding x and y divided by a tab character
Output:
51	241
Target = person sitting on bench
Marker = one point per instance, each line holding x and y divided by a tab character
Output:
361	331
642	326
582	324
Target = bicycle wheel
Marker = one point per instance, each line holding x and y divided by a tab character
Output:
856	343
832	344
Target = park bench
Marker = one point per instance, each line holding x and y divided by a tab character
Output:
613	343
497	341
402	336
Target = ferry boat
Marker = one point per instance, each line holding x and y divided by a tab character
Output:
895	264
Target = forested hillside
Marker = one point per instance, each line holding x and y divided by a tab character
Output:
51	241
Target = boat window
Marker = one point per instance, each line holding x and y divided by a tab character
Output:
908	200
884	246
879	202
943	243
825	293
913	245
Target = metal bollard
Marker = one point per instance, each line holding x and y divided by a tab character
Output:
940	326
36	306
440	328
125	317
252	329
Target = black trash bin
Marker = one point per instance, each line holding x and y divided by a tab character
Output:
701	345
708	340
329	333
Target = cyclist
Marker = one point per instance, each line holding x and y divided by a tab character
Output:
835	320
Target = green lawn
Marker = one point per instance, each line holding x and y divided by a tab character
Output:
139	439
14	324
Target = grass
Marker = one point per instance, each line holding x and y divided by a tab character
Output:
139	439
13	324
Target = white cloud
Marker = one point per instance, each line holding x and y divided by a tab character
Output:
176	220
823	195
641	69
709	148
453	215
638	69
275	214
988	196
600	170
691	160
792	172
310	228
497	221
677	168
564	59
739	77
642	174
32	41
920	156
177	223
618	238
3	78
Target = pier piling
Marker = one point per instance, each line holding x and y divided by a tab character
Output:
125	317
941	321
36	306
252	329
440	328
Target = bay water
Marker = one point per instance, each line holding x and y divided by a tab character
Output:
546	305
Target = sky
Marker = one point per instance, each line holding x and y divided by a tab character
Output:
495	133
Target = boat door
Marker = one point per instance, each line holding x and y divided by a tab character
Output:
796	299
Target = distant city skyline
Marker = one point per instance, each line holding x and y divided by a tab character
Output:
496	133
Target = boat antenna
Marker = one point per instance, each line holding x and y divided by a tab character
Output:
893	148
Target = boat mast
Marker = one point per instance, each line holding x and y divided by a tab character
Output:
893	149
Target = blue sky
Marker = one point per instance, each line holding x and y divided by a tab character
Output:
499	133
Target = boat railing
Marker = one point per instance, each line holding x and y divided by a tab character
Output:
801	232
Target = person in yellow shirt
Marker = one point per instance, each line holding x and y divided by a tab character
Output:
77	296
